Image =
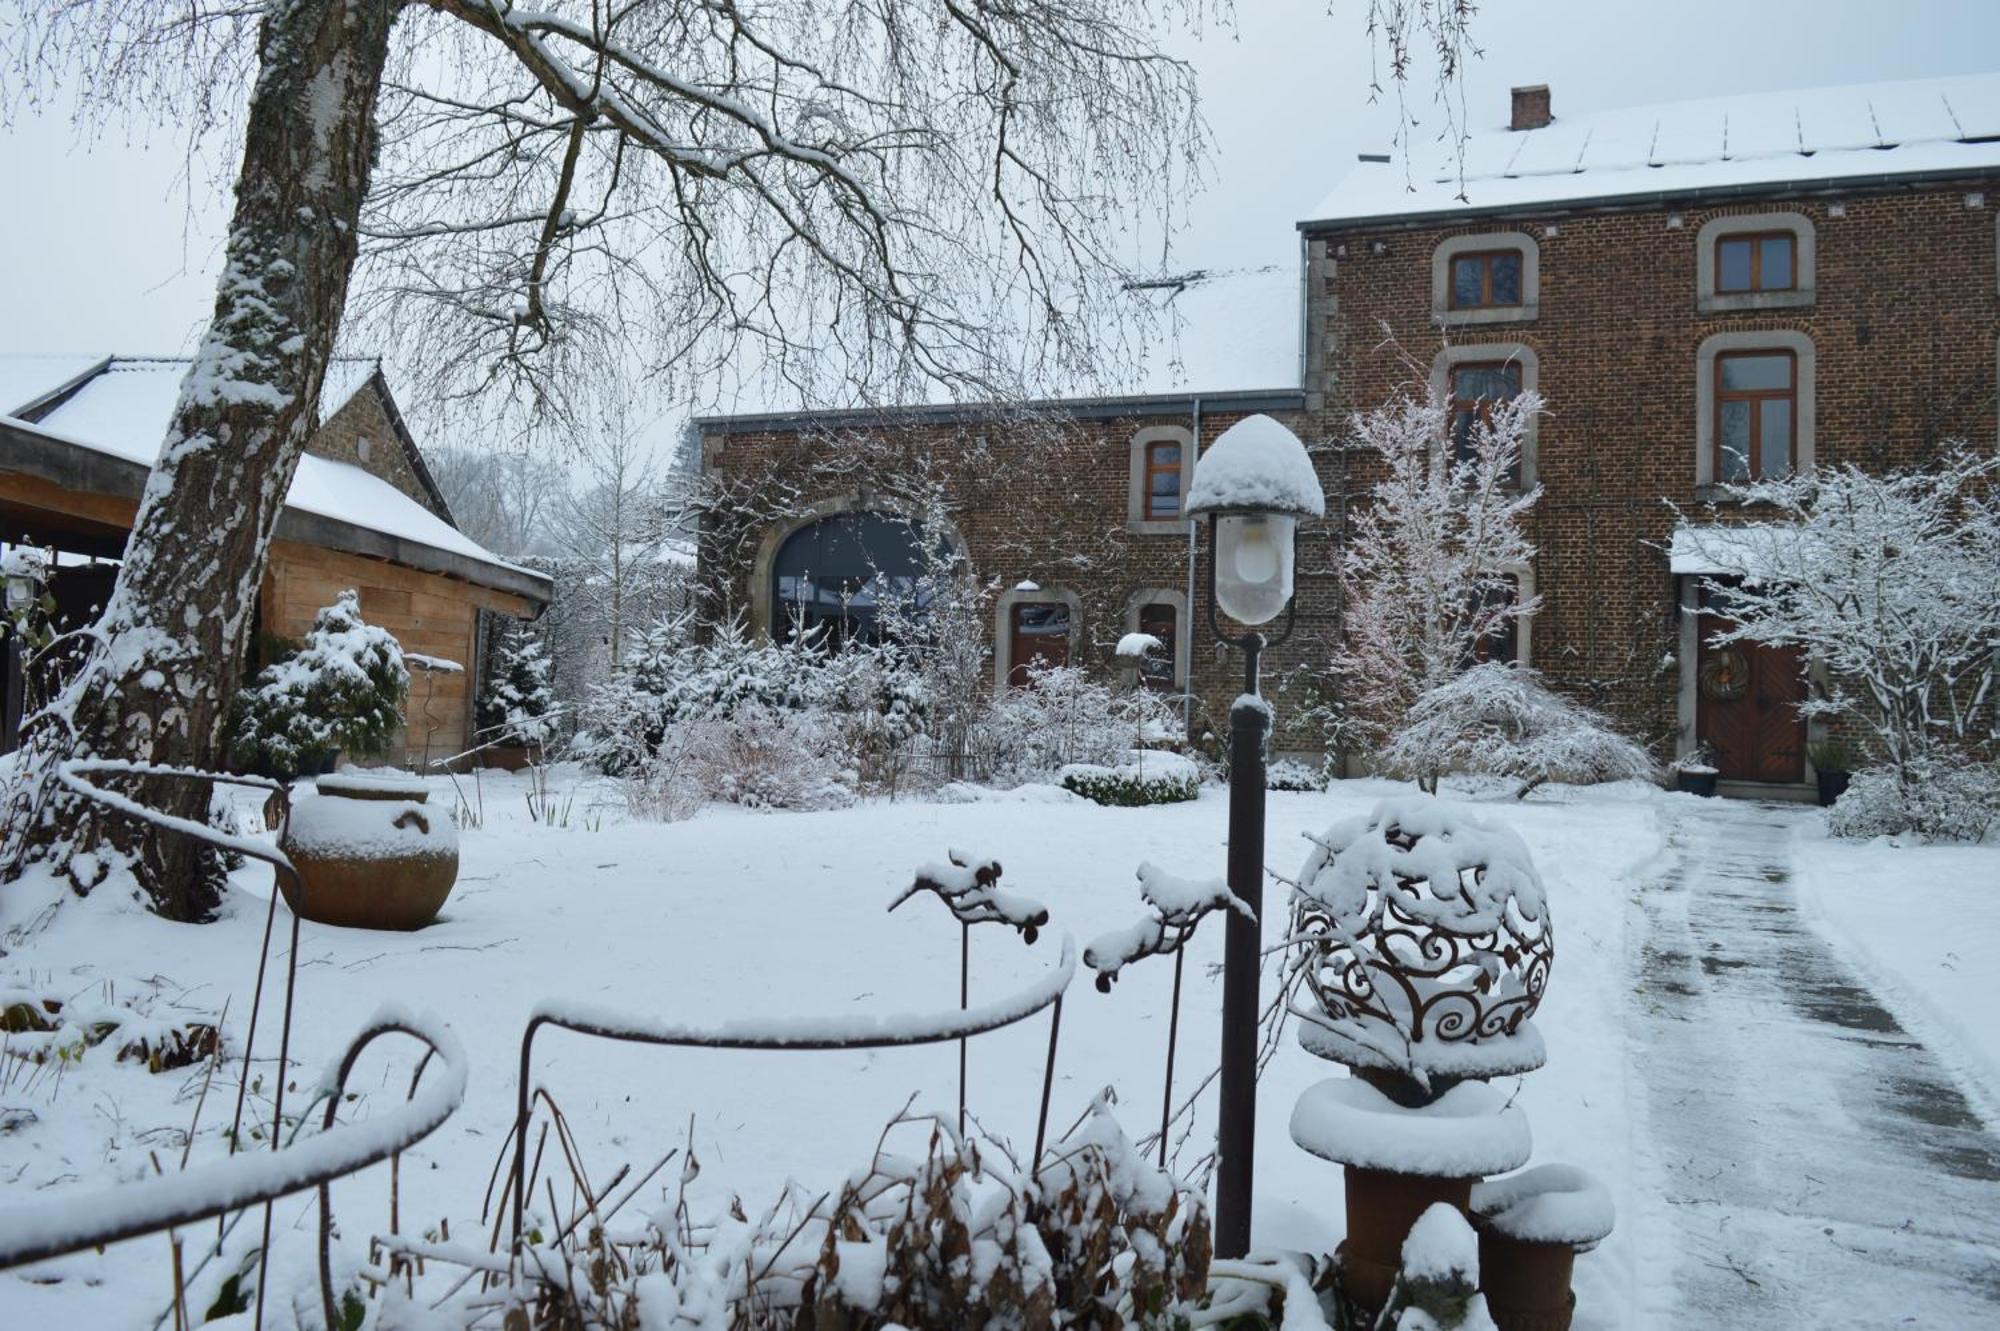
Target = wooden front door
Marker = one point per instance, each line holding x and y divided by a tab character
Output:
1747	700
1040	637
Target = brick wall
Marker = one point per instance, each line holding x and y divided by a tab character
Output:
1904	327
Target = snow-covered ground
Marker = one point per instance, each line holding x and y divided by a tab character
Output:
736	914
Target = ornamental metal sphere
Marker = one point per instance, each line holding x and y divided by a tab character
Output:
1427	943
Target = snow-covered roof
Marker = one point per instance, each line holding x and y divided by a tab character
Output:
1804	138
123	411
1726	551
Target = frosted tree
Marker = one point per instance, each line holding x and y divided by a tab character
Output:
1428	572
1887	583
343	690
611	528
518	705
893	188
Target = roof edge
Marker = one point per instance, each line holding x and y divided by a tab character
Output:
1085	408
1878	183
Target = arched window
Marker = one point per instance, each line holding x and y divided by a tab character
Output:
840	573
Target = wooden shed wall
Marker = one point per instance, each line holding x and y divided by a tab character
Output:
427	612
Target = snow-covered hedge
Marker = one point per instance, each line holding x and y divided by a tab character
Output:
1064	718
1291	774
1501	720
1946	801
1143	778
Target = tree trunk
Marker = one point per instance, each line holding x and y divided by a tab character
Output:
169	648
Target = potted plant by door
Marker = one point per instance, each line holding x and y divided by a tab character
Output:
1833	766
1694	771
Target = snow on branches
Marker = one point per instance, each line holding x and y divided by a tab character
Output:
342	690
1501	720
1886	583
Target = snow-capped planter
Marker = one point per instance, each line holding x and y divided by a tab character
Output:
1401	1161
369	853
1433	944
1145	777
1531	1225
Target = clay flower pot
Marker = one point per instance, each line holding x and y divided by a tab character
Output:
370	854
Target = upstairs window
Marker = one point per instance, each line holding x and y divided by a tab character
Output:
1762	261
1156	668
1486	280
1162	481
1475	387
1756	414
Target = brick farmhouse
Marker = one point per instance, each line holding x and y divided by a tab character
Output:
1702	292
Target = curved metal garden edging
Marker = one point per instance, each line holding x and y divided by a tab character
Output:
234	1183
821	1034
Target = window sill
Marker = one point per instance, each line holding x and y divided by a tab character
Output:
1157	527
1502	314
1709	303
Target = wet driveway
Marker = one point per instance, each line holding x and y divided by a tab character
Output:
1819	1167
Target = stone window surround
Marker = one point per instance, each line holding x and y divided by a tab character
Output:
1183	639
763	595
1805	260
1443	315
1804	416
1520	353
1003	625
1524	625
1136	520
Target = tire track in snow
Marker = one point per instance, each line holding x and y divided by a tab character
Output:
1810	1163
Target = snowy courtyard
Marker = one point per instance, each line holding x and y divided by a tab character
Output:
1790	1105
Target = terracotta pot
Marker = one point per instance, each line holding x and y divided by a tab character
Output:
369	854
1381	1208
1526	1284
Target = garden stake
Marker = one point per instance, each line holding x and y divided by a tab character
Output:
1173	1035
1048	1088
964	1000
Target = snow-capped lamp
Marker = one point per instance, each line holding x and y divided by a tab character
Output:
1253	485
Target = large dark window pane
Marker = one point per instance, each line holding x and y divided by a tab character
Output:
1507	278
1756	373
1736	441
1732	265
1774	264
1774	438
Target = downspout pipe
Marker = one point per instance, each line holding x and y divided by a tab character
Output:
1188	620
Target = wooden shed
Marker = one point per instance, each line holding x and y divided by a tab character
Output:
78	437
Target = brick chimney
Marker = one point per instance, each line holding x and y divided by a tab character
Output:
1531	107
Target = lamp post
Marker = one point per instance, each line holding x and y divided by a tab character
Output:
1253	485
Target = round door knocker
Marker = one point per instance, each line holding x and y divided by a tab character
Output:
1725	676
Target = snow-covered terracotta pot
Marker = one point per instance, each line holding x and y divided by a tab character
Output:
1434	945
370	854
1531	1226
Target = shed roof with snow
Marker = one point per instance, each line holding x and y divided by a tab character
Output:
95	424
1810	139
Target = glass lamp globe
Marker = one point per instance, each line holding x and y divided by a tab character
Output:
1253	565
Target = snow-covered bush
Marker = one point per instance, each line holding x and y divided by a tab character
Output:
518	704
766	757
343	690
1064	717
1887	583
1501	720
1291	774
1942	799
1143	778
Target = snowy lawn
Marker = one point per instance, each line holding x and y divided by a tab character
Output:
1922	924
740	915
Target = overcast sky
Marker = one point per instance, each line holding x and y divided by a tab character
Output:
108	246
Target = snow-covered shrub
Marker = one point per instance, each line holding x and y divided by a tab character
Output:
518	704
1501	720
1064	717
1943	800
1143	778
1291	774
765	757
882	700
343	690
